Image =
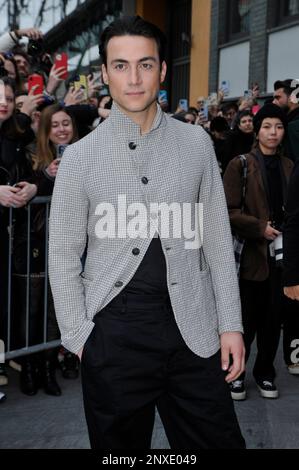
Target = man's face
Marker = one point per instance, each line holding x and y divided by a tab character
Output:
230	115
133	72
246	124
281	99
23	66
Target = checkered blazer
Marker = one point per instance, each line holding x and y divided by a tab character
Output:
180	166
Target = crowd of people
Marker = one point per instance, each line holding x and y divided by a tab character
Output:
34	131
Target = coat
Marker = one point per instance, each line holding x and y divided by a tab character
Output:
173	163
252	222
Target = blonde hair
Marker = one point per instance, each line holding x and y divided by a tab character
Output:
45	149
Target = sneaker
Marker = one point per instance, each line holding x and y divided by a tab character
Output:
2	397
293	369
267	389
70	366
237	390
3	375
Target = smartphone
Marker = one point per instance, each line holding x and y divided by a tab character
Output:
163	96
183	104
225	87
81	83
38	81
247	94
61	60
60	149
205	111
96	72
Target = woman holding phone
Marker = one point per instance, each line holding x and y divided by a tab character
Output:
57	129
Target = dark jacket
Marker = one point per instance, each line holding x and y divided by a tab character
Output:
14	166
251	224
292	140
237	143
291	232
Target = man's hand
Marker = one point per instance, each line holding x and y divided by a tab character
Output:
292	292
53	168
104	113
79	353
93	85
31	33
73	97
232	344
270	232
32	102
9	197
55	78
28	190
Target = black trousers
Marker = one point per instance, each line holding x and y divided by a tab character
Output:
264	310
135	359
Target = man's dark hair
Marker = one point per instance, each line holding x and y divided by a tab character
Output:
132	26
227	106
286	85
19	51
219	124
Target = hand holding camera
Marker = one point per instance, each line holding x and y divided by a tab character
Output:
31	33
270	232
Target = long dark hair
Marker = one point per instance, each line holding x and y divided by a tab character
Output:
11	128
45	151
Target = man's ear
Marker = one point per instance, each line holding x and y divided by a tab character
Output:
105	75
163	71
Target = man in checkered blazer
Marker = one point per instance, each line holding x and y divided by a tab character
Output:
154	320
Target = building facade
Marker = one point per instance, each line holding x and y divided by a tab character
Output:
238	42
253	41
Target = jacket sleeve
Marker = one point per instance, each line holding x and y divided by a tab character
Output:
293	138
7	42
217	244
67	241
291	232
24	121
44	182
245	225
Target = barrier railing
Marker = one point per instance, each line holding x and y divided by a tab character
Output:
44	344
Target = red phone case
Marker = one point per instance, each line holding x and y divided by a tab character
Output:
61	61
34	80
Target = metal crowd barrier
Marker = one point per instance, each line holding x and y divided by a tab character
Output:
10	354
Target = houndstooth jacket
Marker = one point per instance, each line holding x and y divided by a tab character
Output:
174	162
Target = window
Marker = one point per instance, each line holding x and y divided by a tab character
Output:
287	12
238	19
291	8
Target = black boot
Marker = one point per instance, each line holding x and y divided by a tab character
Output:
70	366
28	378
48	379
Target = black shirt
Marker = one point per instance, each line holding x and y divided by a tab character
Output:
274	180
150	277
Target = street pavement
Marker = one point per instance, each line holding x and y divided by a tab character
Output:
44	422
